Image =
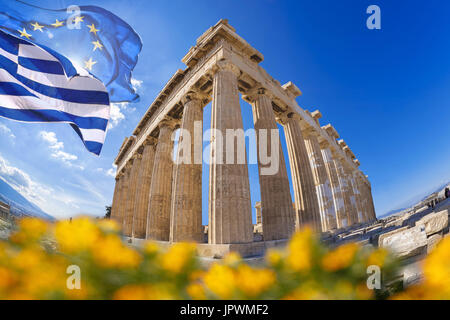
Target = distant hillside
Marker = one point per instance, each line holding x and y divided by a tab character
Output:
19	205
416	201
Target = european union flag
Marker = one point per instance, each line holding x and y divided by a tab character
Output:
91	37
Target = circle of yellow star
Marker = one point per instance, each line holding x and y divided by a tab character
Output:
97	44
79	19
58	23
37	26
92	29
24	33
88	64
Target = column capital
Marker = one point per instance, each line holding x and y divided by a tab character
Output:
286	116
291	90
331	131
226	65
194	95
255	92
150	141
168	121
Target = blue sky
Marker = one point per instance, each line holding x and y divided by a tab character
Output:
385	91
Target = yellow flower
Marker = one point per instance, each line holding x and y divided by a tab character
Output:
110	252
273	257
254	281
143	292
108	225
178	256
377	257
299	251
30	230
306	291
363	292
151	247
232	258
196	291
220	280
28	258
7	278
77	235
340	258
437	266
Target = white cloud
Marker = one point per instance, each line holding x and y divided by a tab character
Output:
111	172
6	130
55	201
57	149
22	183
136	84
116	115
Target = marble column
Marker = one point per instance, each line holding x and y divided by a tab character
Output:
306	204
115	202
123	196
158	221
363	197
338	198
278	216
371	205
143	189
357	193
186	213
347	193
131	196
321	181
351	193
230	212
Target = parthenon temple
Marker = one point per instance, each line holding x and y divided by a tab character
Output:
159	199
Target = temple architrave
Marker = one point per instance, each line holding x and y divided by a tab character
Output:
159	199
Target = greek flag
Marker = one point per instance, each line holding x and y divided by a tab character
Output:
39	85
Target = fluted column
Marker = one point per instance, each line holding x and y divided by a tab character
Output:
351	194
307	207
186	218
115	203
346	192
278	217
358	195
363	197
230	215
143	189
123	196
371	205
321	181
158	221
338	198
131	196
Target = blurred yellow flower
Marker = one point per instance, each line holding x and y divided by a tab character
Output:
273	257
254	281
437	265
232	258
110	252
30	230
299	250
28	258
377	257
196	291
108	225
76	235
220	280
339	258
151	247
178	256
143	292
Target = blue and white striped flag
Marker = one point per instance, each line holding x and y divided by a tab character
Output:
39	85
